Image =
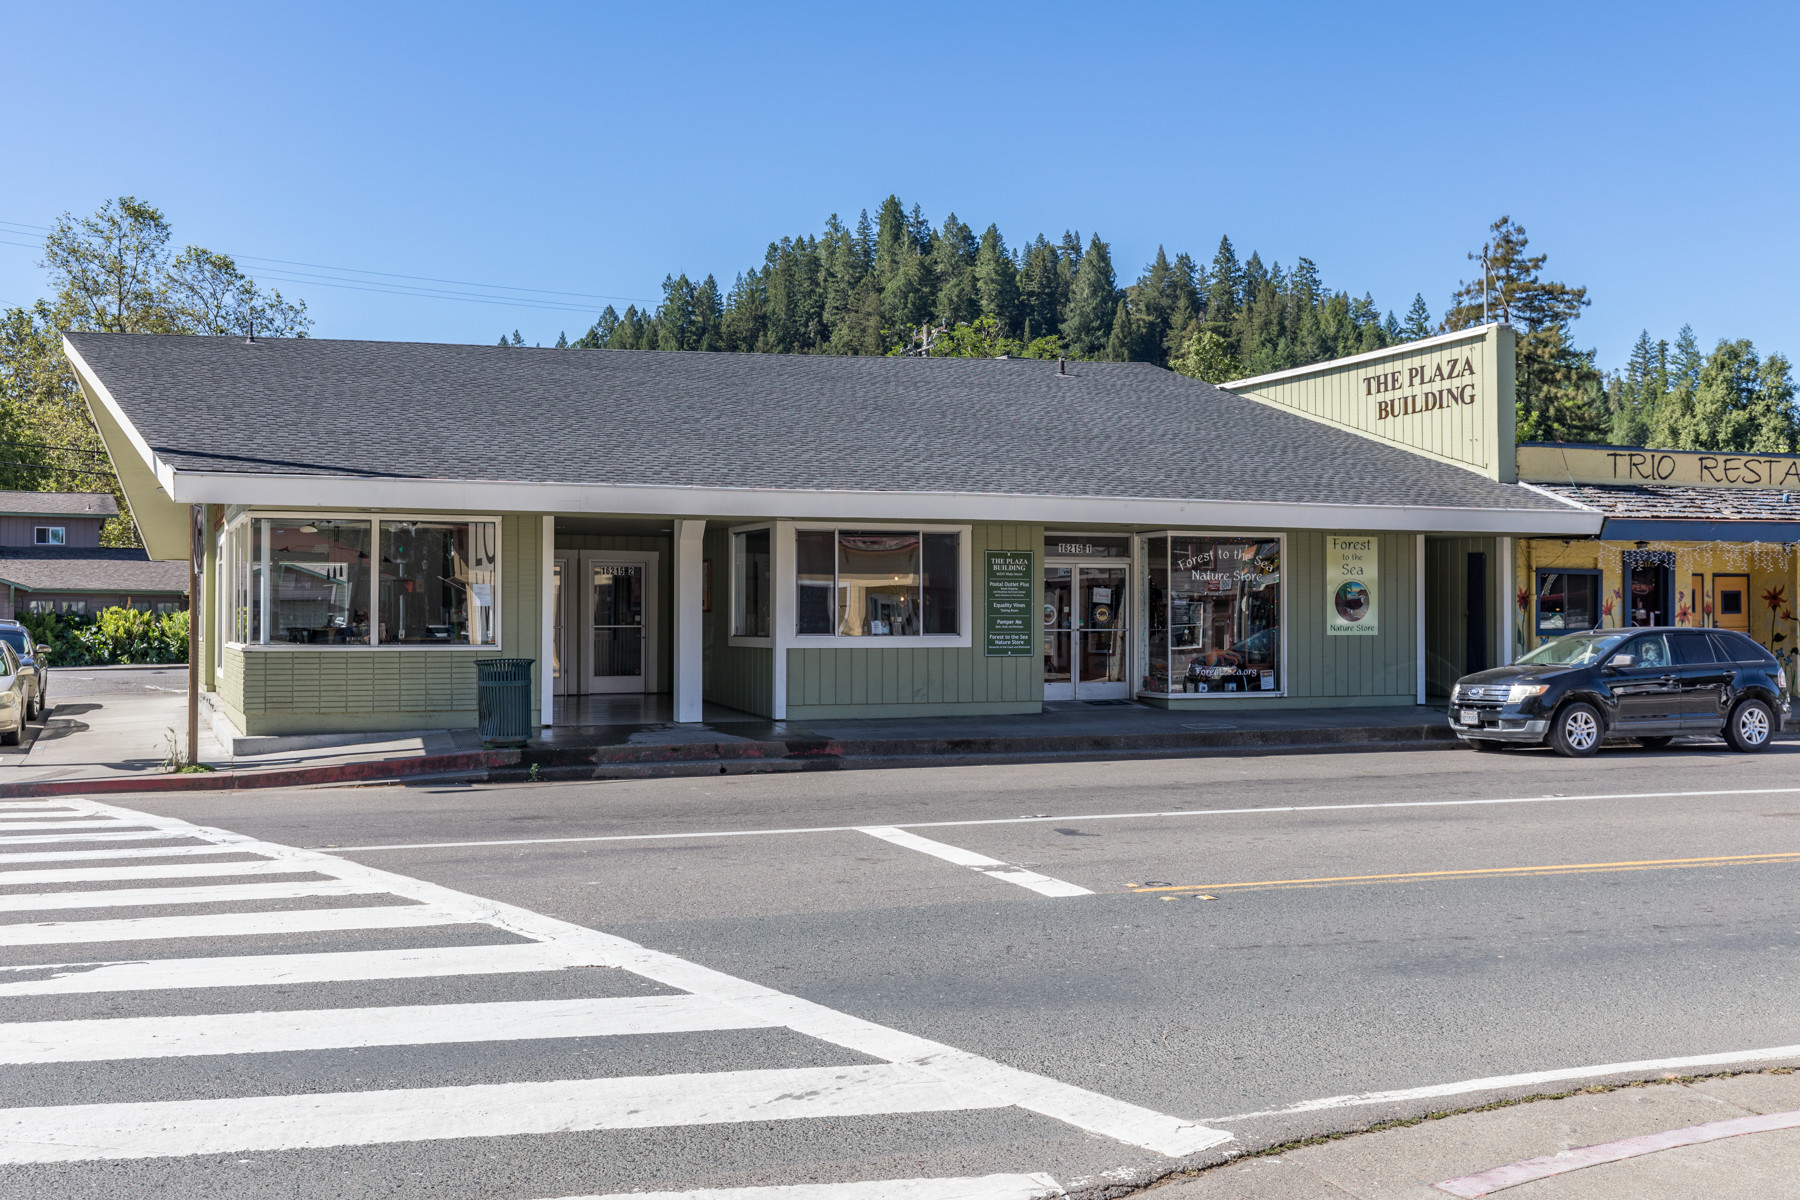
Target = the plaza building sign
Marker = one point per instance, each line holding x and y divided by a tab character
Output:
1423	388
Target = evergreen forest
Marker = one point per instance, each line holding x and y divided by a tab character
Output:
898	284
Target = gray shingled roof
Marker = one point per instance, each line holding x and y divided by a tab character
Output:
1006	427
58	504
127	570
1680	503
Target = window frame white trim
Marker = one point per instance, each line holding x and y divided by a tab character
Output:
1281	608
733	584
788	588
374	521
48	529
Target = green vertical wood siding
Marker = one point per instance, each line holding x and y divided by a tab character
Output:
1322	669
740	677
926	680
340	689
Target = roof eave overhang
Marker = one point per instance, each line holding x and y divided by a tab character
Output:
334	491
148	482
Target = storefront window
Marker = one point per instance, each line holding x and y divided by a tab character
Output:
750	606
1214	613
1567	601
355	581
437	583
877	582
317	579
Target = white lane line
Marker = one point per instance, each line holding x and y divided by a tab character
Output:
313	920
1127	816
44	856
1527	1079
346	1028
261	866
983	1187
6	831
40	814
341	966
87	1132
1172	1136
219	894
1042	884
1497	1179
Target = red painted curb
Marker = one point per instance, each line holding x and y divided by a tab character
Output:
227	781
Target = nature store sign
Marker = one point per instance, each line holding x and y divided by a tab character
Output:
1352	583
1606	465
1009	590
1424	387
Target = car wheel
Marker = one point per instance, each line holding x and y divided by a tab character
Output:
1654	743
1577	731
11	736
1750	727
1486	745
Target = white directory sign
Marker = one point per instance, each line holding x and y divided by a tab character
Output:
1352	585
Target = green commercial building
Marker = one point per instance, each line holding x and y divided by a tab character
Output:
801	537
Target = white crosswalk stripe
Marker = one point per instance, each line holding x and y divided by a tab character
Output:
910	1074
341	1028
130	897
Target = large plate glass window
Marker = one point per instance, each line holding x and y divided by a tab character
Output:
331	580
437	583
875	583
1213	613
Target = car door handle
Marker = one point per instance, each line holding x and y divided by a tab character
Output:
1670	679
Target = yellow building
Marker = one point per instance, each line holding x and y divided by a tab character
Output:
1688	538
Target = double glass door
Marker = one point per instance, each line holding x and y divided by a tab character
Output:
1084	631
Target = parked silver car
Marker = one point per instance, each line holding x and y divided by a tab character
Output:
15	696
32	663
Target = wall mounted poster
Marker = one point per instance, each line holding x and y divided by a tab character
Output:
1352	585
1009	590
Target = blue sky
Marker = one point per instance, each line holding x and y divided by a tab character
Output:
1649	149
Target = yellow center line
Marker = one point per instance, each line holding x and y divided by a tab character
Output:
1477	872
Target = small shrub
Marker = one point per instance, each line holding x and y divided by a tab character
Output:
113	636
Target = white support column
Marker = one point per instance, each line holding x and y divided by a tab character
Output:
781	555
547	621
1504	633
690	635
1419	611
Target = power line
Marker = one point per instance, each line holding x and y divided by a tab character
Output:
378	286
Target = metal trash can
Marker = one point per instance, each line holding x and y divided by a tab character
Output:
503	700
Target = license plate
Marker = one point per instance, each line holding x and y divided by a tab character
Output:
1470	716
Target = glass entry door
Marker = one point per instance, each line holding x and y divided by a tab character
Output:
618	649
1084	631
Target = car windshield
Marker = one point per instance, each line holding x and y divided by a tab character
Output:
1576	650
18	639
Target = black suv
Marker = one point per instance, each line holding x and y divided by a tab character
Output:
1574	691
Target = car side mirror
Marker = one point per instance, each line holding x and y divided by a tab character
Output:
1619	662
41	651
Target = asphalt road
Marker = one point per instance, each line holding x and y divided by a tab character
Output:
1371	923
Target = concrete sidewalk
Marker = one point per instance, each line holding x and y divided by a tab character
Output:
1458	1155
113	726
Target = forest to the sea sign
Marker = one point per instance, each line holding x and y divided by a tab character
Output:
1352	585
